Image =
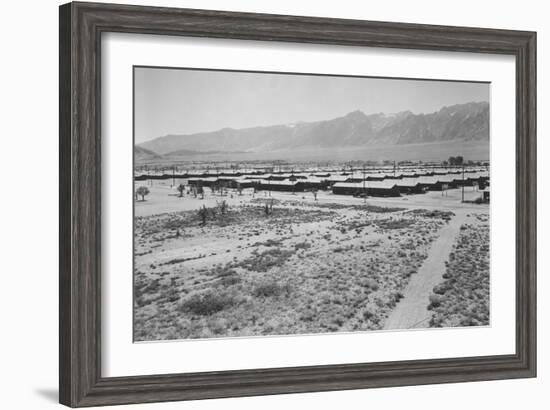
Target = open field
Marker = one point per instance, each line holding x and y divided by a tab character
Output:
333	264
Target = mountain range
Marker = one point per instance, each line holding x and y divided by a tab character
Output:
143	154
462	122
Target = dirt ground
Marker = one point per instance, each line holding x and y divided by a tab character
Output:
164	198
336	264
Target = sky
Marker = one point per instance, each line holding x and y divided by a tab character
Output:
182	101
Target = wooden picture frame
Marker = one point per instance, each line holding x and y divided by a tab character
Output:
81	27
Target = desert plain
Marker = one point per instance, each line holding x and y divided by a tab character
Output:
245	263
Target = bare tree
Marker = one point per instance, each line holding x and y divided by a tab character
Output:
142	191
181	189
268	209
223	207
203	214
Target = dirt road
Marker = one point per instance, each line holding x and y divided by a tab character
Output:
412	311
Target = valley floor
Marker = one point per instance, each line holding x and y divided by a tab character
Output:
336	264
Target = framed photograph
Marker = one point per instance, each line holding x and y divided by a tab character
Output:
259	204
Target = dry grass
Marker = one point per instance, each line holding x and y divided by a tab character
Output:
207	302
300	270
462	299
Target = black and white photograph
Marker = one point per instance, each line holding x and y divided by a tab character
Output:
283	204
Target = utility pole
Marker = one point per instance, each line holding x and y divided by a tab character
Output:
462	182
364	190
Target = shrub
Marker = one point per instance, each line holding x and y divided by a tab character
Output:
271	288
302	245
380	209
230	280
394	223
270	258
440	289
371	283
435	301
207	302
